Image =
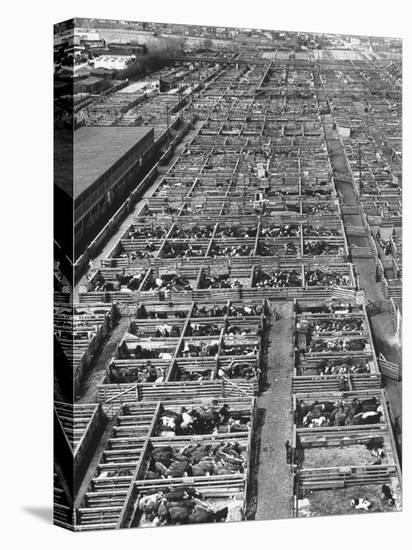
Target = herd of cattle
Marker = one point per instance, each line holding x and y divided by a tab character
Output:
177	507
333	343
224	458
247	213
338	413
201	420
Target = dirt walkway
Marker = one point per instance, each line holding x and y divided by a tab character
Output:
274	477
99	363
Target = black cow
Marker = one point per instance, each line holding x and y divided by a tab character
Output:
387	495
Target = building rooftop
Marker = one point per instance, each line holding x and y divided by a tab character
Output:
95	150
89	81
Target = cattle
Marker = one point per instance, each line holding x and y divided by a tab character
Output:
212	349
160	379
378	453
175	512
168	422
318	422
370	417
135	282
152	374
202	515
186	376
387	495
179	493
187	419
232	426
338	413
324	406
141	312
375	444
178	468
149	503
314	419
357	407
278	278
197	460
179	507
123	351
116	473
200	420
224	414
360	504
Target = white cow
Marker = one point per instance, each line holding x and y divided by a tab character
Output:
360	504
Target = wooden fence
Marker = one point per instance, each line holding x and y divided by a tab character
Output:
340	477
389	369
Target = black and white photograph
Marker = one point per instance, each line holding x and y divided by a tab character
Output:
227	274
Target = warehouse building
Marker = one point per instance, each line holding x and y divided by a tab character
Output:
107	164
90	85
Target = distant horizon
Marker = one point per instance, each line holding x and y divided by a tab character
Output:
79	21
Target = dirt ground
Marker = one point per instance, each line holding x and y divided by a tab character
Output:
99	363
272	487
324	457
337	501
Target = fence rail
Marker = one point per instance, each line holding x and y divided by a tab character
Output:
389	369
